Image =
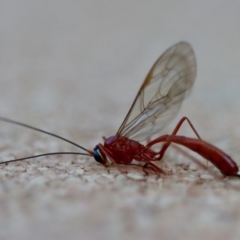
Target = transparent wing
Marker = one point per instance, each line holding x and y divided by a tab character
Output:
161	94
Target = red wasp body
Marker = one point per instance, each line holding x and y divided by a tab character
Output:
157	102
123	151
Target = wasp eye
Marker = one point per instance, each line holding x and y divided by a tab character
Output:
97	155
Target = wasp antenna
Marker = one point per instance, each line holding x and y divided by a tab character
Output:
3	119
45	154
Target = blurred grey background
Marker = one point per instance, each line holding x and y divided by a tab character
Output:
74	67
90	57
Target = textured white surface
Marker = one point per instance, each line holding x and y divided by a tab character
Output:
73	68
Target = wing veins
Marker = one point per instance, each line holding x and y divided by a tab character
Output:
162	92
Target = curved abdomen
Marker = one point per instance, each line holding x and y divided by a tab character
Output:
221	160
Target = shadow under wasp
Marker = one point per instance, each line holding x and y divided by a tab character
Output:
157	102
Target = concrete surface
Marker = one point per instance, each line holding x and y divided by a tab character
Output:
73	68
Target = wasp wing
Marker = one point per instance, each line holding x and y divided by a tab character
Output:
161	94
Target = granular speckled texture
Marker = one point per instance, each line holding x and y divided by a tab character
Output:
73	68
